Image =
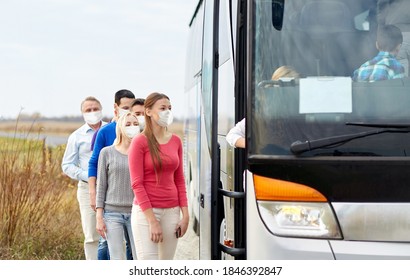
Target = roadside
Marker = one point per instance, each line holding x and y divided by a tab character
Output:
51	140
188	246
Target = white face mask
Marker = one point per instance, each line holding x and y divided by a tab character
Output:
165	118
141	121
92	117
132	131
122	112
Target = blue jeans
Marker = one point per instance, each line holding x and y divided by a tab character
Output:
118	227
104	254
127	243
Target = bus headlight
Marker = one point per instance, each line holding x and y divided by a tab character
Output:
299	219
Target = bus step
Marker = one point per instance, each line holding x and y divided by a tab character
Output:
235	252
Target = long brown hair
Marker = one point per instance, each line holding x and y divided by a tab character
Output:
153	144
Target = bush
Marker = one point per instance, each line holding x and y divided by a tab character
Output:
39	216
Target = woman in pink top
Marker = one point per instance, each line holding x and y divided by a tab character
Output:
157	179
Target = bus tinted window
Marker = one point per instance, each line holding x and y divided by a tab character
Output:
323	39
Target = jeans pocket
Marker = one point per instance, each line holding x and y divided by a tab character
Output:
112	216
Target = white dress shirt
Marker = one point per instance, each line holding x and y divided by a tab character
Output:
78	153
236	132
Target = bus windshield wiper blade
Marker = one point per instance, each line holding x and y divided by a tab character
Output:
380	125
299	147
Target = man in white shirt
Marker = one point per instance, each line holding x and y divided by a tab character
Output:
75	165
236	135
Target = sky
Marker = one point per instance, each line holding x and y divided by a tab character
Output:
54	53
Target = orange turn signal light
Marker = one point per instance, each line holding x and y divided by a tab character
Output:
278	190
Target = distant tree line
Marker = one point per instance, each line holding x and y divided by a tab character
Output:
38	117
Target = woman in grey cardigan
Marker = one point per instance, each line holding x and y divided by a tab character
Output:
114	194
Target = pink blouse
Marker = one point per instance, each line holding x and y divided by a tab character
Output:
170	191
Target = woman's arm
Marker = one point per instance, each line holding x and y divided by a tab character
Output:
100	225
102	178
179	178
136	162
154	226
183	223
182	195
102	186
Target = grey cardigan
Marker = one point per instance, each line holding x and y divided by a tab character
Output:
114	192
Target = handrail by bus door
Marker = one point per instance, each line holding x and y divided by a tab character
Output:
240	113
217	191
217	194
215	149
238	251
239	194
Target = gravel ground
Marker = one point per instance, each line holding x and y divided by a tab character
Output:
188	246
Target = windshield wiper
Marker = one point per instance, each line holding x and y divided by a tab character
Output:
380	125
299	147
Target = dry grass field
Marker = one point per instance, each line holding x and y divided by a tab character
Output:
47	127
60	127
39	217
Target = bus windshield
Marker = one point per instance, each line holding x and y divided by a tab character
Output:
325	104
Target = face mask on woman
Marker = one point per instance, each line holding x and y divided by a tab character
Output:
122	112
165	118
132	131
141	121
92	117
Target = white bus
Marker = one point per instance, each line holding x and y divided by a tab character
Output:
325	173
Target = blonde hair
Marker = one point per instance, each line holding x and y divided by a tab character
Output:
285	71
120	128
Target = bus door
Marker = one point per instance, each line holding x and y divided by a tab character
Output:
228	232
